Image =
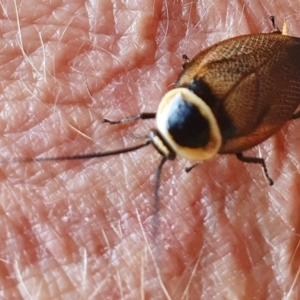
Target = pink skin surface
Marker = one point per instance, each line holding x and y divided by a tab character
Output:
82	229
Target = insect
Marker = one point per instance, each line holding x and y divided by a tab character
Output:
229	98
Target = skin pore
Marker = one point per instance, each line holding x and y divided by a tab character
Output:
83	229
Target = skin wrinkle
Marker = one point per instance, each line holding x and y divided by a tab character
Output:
225	206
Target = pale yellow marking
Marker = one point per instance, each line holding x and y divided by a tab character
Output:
284	28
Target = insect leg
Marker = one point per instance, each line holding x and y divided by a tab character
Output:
190	168
255	160
276	29
186	61
141	116
296	115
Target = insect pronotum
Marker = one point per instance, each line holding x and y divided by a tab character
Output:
226	100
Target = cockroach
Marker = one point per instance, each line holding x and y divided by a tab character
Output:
228	98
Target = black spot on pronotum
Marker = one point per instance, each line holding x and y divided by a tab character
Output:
187	126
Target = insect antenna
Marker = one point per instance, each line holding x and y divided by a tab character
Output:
156	203
84	156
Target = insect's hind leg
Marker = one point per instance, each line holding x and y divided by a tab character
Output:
276	29
296	115
255	160
284	30
141	116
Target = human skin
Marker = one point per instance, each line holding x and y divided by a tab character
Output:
84	229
